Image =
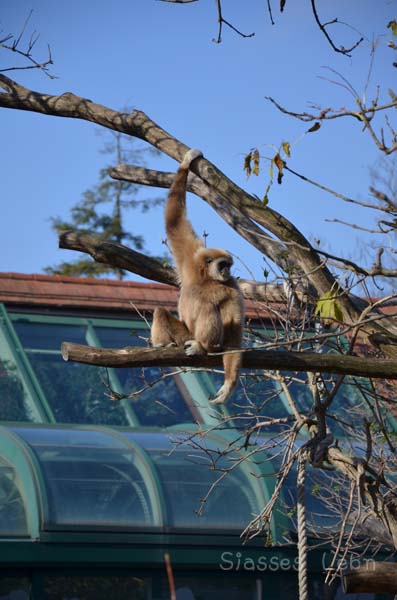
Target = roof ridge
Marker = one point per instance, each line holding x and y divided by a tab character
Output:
82	280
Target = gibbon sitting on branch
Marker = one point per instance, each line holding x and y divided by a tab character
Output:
211	306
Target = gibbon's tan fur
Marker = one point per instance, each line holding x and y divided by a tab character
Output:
211	306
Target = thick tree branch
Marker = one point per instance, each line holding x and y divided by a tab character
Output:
252	359
242	224
117	255
371	578
69	105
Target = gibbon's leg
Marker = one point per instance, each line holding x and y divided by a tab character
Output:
207	334
167	330
231	362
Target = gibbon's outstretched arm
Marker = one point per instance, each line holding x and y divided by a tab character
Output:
181	238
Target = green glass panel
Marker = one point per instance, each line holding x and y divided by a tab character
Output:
48	336
120	337
93	479
187	474
160	402
12	511
76	392
255	396
13	401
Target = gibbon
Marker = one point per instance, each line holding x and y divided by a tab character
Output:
211	307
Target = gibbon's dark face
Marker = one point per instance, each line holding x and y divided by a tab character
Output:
216	263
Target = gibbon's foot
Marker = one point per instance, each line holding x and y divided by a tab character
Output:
222	395
189	157
170	345
193	348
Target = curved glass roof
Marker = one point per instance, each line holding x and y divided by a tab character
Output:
55	478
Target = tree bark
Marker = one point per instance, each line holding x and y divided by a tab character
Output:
117	255
252	359
372	578
242	224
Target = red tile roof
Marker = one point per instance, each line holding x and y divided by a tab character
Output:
75	292
68	293
59	291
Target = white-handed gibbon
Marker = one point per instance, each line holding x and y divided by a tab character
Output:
211	307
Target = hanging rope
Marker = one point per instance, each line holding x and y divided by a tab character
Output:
302	537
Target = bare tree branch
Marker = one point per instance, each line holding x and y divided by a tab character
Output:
114	254
28	53
331	113
117	255
243	225
386	209
252	358
323	27
222	20
364	114
376	578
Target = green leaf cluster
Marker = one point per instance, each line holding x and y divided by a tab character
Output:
328	308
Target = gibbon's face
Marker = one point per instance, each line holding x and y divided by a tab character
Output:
216	263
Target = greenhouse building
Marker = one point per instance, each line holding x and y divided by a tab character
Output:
109	489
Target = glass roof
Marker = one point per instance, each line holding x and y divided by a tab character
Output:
37	385
55	478
111	473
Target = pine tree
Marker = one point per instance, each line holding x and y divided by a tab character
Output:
115	198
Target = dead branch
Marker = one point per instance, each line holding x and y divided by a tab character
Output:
222	21
241	223
14	47
371	578
252	359
364	115
330	113
137	124
338	194
117	255
323	28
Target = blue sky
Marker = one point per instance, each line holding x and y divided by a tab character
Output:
159	57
